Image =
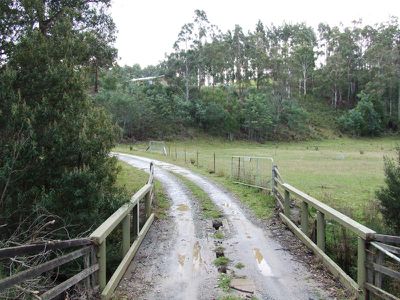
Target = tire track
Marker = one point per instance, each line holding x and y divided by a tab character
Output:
274	273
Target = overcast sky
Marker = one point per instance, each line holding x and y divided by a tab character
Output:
147	29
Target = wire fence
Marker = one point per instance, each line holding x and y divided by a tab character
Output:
248	170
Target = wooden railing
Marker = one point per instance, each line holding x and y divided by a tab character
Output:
126	214
92	249
369	262
86	250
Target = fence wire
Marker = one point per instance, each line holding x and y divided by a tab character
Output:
256	171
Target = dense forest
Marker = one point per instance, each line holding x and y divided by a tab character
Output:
261	84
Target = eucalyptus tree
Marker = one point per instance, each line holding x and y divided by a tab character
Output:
303	54
382	60
258	54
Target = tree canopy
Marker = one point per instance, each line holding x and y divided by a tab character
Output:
54	140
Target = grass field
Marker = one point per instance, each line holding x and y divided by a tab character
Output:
133	179
343	173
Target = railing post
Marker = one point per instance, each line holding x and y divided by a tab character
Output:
102	259
378	276
273	180
286	204
135	220
321	230
361	271
126	234
304	217
147	203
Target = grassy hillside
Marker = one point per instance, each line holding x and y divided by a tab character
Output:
322	117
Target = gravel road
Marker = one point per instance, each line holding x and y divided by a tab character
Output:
175	259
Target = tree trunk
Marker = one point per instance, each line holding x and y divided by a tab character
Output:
398	102
304	81
186	79
96	78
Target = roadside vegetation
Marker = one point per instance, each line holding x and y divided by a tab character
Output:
208	208
132	179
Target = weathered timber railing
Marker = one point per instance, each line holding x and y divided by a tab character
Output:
92	249
370	250
86	250
126	214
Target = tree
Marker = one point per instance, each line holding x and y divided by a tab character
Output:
389	195
363	120
55	142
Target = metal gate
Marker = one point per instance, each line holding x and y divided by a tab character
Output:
252	171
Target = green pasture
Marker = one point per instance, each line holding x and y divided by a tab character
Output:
343	173
133	179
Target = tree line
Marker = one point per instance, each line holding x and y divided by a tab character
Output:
249	84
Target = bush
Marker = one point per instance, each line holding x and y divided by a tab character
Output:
363	120
54	141
389	196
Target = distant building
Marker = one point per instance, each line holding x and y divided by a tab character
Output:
151	79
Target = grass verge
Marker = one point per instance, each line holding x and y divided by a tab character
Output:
221	261
224	282
132	179
259	202
208	208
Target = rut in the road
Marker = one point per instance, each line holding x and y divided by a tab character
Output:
273	272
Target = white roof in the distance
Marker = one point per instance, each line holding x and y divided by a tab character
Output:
146	78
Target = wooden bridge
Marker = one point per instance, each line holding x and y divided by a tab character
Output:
377	257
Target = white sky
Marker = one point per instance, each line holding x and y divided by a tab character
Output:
147	29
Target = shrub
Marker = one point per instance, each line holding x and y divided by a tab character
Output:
363	120
389	195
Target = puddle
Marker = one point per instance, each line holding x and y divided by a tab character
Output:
261	263
183	207
197	260
181	259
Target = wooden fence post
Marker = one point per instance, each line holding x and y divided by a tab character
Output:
185	156
304	217
238	178
135	220
286	204
102	259
378	276
361	271
273	180
321	230
214	162
147	204
126	234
